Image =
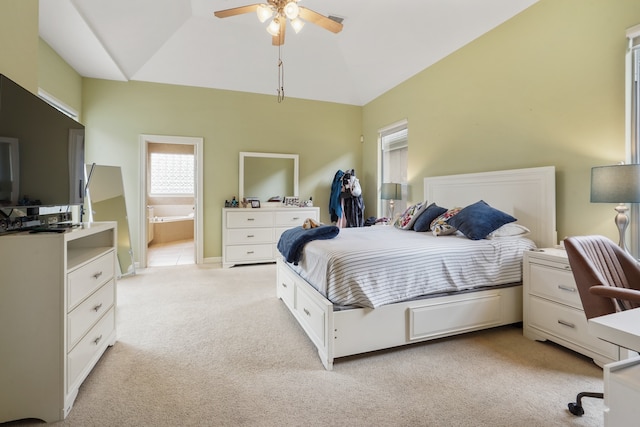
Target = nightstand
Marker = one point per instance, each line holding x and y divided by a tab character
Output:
552	309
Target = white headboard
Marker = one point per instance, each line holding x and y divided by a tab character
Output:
527	194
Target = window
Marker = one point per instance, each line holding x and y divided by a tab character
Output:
394	155
171	174
633	124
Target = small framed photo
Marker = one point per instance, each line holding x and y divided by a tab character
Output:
291	201
255	203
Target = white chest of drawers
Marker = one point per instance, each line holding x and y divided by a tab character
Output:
552	309
57	317
250	236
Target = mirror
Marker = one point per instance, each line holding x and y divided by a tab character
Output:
264	175
106	202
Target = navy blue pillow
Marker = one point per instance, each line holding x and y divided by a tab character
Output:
423	222
476	221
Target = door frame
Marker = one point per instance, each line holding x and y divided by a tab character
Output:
198	144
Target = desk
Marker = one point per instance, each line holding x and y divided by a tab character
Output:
621	379
621	328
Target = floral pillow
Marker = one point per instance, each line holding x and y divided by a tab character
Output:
406	220
440	226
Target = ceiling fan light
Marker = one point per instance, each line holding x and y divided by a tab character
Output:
291	10
264	12
274	27
297	24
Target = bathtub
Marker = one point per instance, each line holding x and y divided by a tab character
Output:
157	219
172	228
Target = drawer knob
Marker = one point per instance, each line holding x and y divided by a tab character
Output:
250	235
97	307
249	252
562	322
284	285
306	312
97	275
295	218
566	288
250	219
97	340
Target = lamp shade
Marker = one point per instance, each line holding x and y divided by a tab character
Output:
264	12
391	191
291	9
274	27
615	184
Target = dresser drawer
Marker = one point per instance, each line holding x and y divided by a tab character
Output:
569	324
554	283
89	346
86	279
83	317
294	218
243	219
248	236
249	253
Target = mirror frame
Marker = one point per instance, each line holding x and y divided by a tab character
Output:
245	154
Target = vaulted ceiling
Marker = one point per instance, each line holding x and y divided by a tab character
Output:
181	42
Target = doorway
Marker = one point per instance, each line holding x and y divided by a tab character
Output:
171	219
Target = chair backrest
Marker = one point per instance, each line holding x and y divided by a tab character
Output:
596	260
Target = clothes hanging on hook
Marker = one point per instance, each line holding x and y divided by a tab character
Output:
346	206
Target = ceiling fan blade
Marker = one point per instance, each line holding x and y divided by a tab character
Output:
320	20
236	11
279	39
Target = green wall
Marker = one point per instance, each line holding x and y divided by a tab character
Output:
58	79
326	136
19	42
28	60
545	88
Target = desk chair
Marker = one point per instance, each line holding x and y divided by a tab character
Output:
608	280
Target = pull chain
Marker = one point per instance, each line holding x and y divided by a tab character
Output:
280	75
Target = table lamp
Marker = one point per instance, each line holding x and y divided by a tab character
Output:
617	184
391	191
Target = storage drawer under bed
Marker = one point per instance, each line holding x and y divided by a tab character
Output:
312	315
438	318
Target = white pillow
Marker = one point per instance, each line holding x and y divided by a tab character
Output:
510	230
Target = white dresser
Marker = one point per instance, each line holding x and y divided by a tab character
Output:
251	236
552	309
57	316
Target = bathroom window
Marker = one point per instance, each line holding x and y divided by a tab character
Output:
171	174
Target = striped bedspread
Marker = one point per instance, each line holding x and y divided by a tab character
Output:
373	266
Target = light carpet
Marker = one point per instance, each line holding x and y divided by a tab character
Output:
206	346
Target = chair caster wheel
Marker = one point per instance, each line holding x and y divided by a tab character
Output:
576	409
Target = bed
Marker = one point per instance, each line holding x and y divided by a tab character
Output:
343	327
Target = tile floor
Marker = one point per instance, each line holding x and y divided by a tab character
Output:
172	253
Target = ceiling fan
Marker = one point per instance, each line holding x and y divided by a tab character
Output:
279	11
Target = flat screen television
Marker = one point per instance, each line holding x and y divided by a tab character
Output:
41	151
